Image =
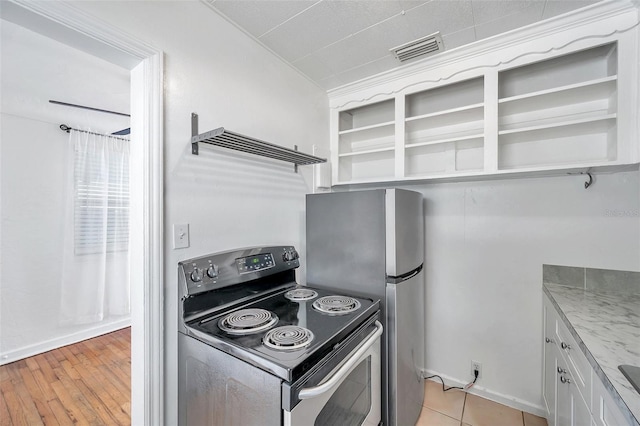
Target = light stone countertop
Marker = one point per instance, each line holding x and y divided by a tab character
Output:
607	329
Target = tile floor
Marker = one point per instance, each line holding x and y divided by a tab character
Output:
457	408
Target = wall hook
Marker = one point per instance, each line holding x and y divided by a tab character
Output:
588	184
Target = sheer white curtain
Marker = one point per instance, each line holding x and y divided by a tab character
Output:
95	278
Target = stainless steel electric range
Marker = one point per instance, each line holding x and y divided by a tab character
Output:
255	348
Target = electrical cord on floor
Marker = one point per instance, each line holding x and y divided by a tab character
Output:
465	388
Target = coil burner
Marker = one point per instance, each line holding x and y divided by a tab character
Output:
336	305
301	294
248	321
288	338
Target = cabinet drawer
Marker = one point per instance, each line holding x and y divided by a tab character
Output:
576	361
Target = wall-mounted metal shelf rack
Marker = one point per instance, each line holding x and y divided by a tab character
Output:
224	138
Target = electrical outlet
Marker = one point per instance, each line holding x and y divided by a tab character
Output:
475	365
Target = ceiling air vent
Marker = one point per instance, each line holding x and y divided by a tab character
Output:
428	45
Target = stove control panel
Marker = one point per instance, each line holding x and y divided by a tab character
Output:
255	263
221	270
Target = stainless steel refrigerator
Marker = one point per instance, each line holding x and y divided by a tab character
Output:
371	243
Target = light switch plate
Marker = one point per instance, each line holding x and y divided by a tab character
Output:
180	236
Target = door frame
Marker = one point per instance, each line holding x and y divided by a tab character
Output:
65	23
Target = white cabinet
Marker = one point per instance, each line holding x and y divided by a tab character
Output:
565	405
605	411
562	99
572	393
572	409
550	364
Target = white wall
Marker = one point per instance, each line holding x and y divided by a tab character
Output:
485	246
228	200
33	155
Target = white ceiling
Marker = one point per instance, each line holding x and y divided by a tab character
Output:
335	42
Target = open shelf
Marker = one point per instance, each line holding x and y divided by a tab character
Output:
432	136
576	127
368	116
550	123
464	113
439	121
559	112
457	137
370	151
370	165
593	120
366	137
593	100
445	99
579	67
445	158
572	93
575	143
371	139
226	139
365	128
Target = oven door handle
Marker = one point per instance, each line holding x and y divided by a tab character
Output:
308	393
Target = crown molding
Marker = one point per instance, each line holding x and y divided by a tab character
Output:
66	23
594	13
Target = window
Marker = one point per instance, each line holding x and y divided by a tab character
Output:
101	204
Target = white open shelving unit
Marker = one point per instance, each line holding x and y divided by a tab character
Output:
556	97
553	112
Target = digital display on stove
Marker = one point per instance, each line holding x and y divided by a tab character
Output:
254	263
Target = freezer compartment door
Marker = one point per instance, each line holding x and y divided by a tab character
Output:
404	226
405	349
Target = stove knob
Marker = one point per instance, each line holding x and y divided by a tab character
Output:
212	272
196	275
290	255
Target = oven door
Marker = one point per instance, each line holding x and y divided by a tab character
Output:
348	395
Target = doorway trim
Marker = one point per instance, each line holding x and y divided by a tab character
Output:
78	29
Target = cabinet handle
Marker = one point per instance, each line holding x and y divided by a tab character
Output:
546	339
563	345
561	370
565	380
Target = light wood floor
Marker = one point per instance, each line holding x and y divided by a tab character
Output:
87	383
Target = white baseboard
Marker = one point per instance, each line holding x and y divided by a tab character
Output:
58	342
509	401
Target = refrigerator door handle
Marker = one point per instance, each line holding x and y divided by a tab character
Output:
404	277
